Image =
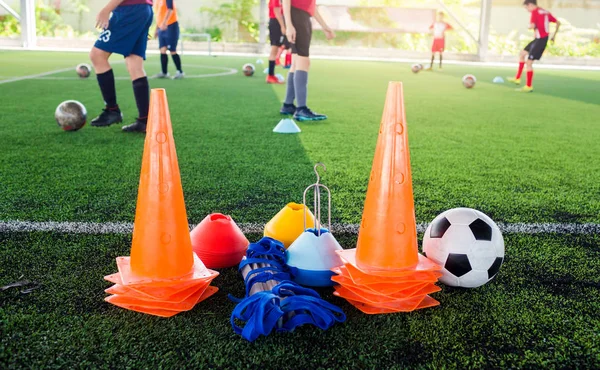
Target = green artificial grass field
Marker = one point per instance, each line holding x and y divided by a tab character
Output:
520	158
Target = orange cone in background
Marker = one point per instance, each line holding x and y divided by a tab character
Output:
385	273
163	276
218	241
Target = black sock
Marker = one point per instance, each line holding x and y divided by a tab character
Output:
141	91
440	60
106	81
177	61
164	60
271	68
432	59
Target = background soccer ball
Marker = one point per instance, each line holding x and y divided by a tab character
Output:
469	81
83	70
468	244
416	68
70	115
248	69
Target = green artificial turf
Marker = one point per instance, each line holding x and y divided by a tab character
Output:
519	158
542	310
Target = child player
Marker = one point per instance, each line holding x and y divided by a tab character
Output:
438	29
125	33
277	36
298	15
167	31
540	22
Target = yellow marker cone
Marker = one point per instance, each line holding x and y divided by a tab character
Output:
287	225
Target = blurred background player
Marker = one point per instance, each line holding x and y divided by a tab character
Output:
540	22
287	48
277	36
167	31
298	15
125	33
438	29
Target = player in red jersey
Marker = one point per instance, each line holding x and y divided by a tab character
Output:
438	29
277	36
298	15
540	22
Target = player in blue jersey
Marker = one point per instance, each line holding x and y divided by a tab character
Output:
125	25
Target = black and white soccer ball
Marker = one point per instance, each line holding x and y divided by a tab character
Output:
468	244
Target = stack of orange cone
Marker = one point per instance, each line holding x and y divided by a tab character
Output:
385	272
163	276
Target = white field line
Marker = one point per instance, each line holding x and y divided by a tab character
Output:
226	72
336	57
48	75
255	228
39	75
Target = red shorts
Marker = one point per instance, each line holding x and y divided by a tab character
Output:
438	45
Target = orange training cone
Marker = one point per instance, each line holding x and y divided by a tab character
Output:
385	273
163	276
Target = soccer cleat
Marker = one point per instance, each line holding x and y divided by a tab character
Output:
305	114
516	81
288	109
429	69
525	89
138	126
161	75
179	75
287	66
273	80
107	118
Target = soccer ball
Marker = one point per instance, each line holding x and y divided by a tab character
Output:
280	77
70	115
83	70
248	69
259	61
469	81
416	68
266	70
468	244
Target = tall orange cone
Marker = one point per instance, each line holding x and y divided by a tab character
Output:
385	272
163	276
389	202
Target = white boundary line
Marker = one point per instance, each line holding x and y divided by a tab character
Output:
39	75
226	72
48	75
333	57
255	228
